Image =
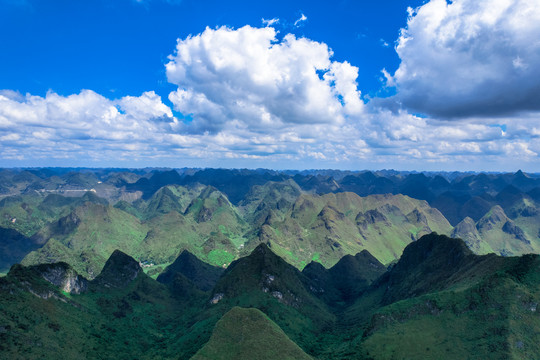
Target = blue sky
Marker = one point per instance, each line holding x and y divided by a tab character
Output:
423	85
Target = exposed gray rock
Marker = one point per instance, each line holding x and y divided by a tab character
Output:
63	276
495	216
417	216
467	231
511	228
216	298
370	217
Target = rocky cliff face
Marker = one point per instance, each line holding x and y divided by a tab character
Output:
511	228
467	231
496	232
63	276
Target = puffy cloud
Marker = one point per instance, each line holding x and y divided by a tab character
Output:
499	144
91	128
68	126
251	99
248	78
146	106
470	57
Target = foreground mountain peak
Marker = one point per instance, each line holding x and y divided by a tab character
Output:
433	246
119	270
204	276
262	248
264	272
249	334
431	263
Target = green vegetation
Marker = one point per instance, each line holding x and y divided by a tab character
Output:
439	301
157	215
249	334
220	257
300	227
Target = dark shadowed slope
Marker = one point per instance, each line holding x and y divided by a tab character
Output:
201	274
13	247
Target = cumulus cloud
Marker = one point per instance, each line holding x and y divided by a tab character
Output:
470	57
251	99
91	128
247	78
55	125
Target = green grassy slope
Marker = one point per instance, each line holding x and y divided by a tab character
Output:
300	227
266	281
496	232
133	318
494	318
88	236
249	334
29	213
324	228
439	301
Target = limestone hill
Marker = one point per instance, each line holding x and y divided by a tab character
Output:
246	334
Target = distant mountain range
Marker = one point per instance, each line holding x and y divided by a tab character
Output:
80	216
438	301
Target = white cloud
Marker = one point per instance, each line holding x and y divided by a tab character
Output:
256	100
92	129
470	57
146	106
246	78
55	126
300	20
269	22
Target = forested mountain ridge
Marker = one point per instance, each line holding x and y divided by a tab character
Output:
81	216
439	301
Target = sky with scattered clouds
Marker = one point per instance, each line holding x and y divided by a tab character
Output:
408	85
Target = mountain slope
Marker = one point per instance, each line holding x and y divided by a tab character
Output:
204	276
87	237
496	232
245	334
345	281
440	301
267	282
325	228
13	247
49	311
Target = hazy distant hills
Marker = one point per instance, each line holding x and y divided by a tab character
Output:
81	216
439	301
13	247
298	226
